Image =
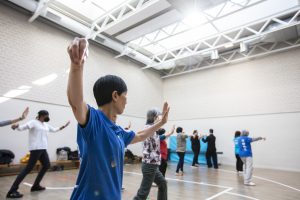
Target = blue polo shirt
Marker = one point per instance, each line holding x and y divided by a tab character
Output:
244	143
101	144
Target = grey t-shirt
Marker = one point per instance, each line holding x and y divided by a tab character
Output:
181	142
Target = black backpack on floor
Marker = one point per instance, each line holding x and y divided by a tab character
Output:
6	156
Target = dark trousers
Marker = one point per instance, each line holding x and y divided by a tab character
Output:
152	174
211	155
163	167
180	162
239	163
35	155
196	154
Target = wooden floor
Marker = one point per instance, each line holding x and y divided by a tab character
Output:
199	183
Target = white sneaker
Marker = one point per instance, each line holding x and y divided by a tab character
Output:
250	184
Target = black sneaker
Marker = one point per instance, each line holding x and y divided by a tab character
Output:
37	188
14	195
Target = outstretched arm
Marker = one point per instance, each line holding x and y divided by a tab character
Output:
8	122
77	50
257	139
53	130
142	135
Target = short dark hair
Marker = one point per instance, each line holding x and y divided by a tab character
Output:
161	131
43	113
211	130
237	134
105	86
178	130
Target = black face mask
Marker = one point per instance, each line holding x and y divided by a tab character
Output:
47	119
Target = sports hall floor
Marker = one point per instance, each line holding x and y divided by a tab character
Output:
197	183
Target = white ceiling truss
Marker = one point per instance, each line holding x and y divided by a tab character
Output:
42	7
235	36
118	14
234	56
181	27
174	48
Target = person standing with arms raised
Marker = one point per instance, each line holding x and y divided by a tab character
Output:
38	144
101	142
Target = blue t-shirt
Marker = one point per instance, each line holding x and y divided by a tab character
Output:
244	143
236	145
101	144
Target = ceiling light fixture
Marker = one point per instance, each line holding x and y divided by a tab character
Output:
214	55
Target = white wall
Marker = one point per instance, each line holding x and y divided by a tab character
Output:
261	95
31	51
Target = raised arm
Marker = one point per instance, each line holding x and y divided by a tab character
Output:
171	132
142	135
21	127
77	50
8	122
257	139
53	130
205	139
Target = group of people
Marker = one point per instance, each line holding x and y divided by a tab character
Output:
101	141
211	152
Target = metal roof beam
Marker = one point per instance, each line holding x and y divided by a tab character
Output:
117	15
251	34
210	19
233	58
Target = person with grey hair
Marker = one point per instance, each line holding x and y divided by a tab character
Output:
12	121
245	152
151	162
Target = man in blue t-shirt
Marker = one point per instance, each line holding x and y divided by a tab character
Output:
101	142
245	152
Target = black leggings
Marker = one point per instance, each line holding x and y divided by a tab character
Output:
180	162
35	155
163	166
239	163
196	152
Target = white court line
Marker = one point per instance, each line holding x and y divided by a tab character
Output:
219	194
52	188
184	181
265	179
284	185
240	195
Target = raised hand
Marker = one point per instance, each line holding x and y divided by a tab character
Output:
14	126
78	51
173	129
25	113
165	113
